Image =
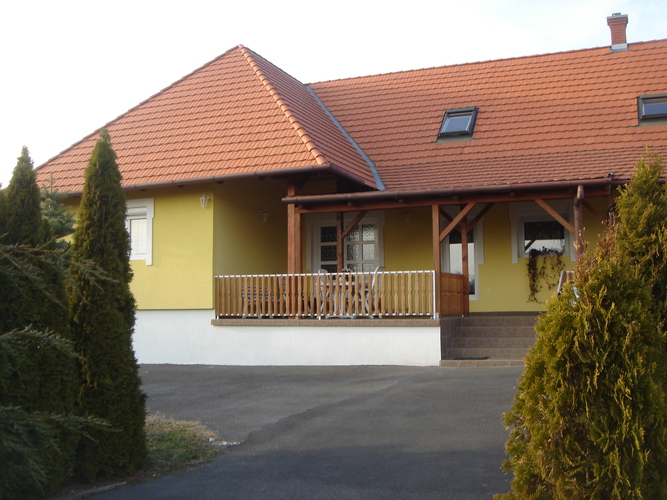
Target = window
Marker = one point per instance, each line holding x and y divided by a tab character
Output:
139	225
534	229
458	122
652	107
543	235
362	247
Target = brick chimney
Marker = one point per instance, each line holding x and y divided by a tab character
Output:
617	23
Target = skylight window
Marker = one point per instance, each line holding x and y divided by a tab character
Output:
652	107
458	122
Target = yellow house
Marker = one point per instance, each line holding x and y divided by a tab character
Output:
388	219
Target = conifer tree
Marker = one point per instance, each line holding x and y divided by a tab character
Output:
102	322
642	228
589	419
33	296
57	215
24	218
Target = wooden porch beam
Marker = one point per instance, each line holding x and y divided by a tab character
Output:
555	215
455	222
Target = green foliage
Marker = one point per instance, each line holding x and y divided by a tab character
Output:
3	213
642	229
24	219
589	419
102	322
58	216
31	452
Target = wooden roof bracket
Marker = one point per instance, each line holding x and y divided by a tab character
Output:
555	215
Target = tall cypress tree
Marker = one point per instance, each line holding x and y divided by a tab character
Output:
589	419
642	228
102	322
33	295
24	218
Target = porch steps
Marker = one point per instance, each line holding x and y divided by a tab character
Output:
489	341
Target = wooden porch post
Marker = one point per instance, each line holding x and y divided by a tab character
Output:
339	242
435	222
463	228
293	233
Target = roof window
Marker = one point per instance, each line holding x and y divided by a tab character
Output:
653	107
458	122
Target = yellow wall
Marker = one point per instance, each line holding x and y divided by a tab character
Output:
243	243
503	286
408	245
181	275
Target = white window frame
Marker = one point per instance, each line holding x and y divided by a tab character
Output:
532	212
142	209
478	231
317	221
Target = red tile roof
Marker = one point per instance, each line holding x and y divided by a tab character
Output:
237	115
553	117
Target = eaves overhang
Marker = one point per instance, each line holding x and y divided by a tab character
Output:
277	173
368	198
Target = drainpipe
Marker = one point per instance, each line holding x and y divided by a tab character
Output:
578	225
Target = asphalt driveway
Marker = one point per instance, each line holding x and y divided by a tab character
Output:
337	432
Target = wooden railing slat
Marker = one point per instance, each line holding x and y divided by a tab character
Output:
362	294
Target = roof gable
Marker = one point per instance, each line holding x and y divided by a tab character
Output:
237	115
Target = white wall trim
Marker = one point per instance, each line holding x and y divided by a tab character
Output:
187	337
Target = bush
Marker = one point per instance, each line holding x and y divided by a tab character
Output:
589	419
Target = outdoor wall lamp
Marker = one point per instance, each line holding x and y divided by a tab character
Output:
264	215
203	201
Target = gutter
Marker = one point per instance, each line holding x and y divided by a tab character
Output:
325	167
449	192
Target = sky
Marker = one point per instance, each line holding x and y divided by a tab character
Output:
69	67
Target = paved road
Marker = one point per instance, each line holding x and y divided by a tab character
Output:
337	432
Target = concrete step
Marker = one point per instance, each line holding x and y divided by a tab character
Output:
461	363
499	321
492	342
496	331
492	353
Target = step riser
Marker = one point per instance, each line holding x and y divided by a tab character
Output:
501	339
492	343
487	353
480	331
500	321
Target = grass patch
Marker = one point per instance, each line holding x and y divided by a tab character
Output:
173	446
177	443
